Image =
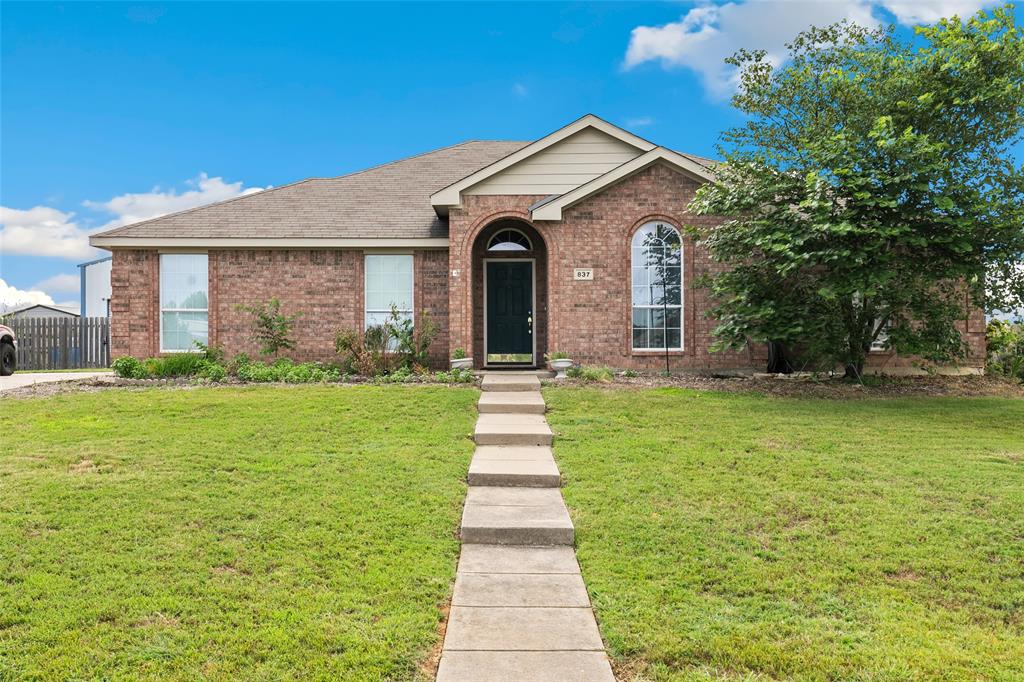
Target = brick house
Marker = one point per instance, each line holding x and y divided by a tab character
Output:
573	242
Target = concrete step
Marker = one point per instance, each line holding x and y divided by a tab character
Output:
505	559
516	516
514	472
512	429
472	628
514	452
515	666
510	402
522	590
510	382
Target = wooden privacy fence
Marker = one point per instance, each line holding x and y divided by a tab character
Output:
62	342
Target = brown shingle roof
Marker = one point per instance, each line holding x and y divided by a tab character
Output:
389	201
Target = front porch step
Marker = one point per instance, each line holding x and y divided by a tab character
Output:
512	429
510	382
514	473
511	402
516	516
536	666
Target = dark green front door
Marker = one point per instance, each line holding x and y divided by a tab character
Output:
509	312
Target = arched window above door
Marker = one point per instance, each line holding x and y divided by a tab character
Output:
509	240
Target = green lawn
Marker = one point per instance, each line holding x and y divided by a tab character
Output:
229	533
729	536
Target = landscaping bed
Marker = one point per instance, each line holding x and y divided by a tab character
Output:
728	536
231	533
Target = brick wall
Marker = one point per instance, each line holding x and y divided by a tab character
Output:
591	320
325	285
134	304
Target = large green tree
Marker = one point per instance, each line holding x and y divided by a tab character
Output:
870	193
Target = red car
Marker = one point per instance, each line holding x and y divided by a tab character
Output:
8	350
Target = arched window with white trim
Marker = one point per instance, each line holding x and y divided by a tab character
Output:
657	272
509	239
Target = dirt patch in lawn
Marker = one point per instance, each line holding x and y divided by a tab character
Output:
835	389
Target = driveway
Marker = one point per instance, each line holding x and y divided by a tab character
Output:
19	379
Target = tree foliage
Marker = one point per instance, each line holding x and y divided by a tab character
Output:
271	328
870	193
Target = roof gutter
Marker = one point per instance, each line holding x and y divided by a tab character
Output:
115	242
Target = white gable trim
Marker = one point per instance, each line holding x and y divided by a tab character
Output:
451	195
552	210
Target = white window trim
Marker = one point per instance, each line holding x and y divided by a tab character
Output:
509	229
162	310
682	296
412	310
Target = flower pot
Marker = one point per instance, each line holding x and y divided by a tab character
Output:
462	363
560	366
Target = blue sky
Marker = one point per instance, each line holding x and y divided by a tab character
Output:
111	113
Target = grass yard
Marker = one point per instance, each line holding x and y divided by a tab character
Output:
727	536
229	533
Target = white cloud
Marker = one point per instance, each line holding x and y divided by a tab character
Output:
132	208
520	90
47	231
60	284
707	34
12	297
914	12
43	231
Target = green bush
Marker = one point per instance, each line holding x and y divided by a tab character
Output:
402	375
1005	342
129	368
288	372
212	371
598	374
177	365
630	374
455	376
557	355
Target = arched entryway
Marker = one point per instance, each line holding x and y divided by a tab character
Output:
510	295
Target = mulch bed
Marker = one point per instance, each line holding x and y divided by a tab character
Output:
775	387
824	387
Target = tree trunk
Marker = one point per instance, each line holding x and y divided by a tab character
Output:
778	359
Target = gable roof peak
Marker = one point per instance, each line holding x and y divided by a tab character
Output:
451	195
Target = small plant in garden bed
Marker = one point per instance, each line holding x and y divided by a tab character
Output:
459	354
271	328
599	374
286	371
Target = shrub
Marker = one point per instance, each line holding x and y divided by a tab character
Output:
599	374
128	367
557	355
630	373
395	343
271	329
177	365
459	354
402	375
212	371
455	376
214	354
287	371
1005	342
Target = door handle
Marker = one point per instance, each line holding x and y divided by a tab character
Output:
529	321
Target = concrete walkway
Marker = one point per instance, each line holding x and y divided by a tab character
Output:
520	611
20	379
